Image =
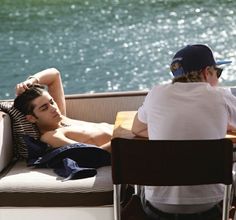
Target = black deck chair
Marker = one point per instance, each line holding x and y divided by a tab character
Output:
171	163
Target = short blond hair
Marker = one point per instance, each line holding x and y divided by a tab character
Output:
193	76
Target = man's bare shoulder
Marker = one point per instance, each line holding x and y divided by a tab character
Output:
47	136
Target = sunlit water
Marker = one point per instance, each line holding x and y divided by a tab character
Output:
109	45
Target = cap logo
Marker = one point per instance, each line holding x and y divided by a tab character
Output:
176	67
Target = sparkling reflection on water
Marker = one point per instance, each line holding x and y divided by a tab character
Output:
109	45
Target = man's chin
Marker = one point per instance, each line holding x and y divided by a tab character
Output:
60	118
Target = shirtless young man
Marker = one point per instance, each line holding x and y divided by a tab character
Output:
47	109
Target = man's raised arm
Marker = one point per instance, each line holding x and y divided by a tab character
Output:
52	79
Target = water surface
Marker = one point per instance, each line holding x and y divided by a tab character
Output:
109	45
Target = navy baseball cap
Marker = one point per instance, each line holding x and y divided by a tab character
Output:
193	58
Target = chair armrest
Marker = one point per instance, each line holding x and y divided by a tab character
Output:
6	146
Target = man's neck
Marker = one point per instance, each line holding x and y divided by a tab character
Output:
63	123
44	129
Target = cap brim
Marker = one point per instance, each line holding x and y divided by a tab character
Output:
218	63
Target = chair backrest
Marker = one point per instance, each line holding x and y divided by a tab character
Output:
171	162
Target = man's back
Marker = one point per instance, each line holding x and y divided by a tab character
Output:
185	111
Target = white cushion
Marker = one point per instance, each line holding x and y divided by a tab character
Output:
6	148
28	179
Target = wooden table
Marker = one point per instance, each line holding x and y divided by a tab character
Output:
123	124
124	121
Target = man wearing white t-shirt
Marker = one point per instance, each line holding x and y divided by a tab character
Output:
191	107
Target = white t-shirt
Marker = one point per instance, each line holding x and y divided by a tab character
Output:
187	111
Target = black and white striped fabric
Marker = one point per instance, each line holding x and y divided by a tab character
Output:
20	127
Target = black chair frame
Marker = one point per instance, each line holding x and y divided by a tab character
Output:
171	163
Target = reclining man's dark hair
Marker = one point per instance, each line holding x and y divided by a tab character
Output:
23	101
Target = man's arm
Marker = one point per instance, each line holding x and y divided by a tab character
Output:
52	79
139	128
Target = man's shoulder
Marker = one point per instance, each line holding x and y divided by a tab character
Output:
161	87
46	136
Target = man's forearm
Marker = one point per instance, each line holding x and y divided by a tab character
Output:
47	76
139	128
143	133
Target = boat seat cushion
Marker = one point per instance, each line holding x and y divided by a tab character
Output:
28	186
20	127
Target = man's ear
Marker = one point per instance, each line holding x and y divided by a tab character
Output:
31	118
206	72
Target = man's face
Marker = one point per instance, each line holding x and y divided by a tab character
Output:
46	113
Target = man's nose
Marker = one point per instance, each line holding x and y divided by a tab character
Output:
53	108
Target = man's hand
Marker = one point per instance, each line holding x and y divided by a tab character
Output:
21	87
